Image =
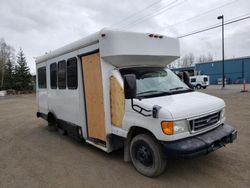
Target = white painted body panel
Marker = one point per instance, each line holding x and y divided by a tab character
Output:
122	49
174	107
117	49
65	104
187	105
42	94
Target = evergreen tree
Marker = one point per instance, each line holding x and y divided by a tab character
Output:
22	74
8	75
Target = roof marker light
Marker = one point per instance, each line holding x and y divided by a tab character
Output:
150	35
103	34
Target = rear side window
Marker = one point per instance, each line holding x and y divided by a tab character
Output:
72	73
42	82
62	74
53	76
193	79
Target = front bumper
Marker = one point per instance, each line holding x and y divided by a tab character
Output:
201	144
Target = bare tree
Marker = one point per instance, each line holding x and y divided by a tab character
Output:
6	53
210	57
174	64
187	60
204	59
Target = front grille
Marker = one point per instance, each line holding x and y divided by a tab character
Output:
204	122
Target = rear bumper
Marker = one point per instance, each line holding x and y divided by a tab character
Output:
201	144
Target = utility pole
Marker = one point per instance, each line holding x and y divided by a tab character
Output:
223	67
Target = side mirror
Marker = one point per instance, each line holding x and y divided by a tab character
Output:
186	79
129	81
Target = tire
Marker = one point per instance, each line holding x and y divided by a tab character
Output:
198	86
62	131
52	127
204	87
147	155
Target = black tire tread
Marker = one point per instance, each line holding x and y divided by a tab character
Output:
157	149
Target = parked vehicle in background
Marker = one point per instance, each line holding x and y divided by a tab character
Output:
199	81
112	89
219	81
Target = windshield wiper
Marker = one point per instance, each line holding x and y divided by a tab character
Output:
153	93
176	88
181	89
149	91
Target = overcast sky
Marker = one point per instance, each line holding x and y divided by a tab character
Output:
42	26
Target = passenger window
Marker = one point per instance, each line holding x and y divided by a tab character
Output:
62	74
42	81
72	73
193	79
205	79
53	76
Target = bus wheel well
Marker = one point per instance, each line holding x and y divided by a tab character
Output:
133	131
51	118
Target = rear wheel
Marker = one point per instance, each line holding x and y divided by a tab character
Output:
198	86
147	156
52	127
62	131
52	123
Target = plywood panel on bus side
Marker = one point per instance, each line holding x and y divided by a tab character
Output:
117	102
93	89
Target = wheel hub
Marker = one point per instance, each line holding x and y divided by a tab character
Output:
144	155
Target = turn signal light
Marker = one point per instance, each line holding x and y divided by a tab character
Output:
167	127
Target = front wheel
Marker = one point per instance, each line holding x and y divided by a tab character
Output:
147	156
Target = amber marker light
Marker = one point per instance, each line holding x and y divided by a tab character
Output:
167	127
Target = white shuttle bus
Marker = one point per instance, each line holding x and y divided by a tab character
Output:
112	90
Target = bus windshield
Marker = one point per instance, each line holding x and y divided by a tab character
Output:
154	81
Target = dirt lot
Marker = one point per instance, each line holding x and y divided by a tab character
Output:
31	156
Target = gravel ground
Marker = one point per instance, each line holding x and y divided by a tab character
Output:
32	156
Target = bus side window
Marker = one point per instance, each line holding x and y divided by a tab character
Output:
53	76
62	74
42	81
193	79
72	81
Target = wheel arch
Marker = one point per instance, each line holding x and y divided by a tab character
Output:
51	118
133	131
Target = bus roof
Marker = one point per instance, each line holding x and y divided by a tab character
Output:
122	48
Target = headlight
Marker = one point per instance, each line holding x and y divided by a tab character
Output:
180	126
222	114
174	127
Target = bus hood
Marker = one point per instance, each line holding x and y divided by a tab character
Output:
187	105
